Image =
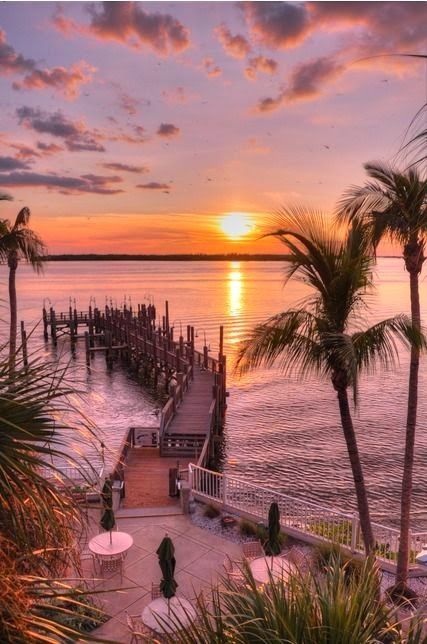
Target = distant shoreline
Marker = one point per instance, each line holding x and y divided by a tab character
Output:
234	257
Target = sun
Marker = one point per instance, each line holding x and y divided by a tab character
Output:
236	225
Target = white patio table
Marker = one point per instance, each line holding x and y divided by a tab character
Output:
279	567
180	608
101	546
422	556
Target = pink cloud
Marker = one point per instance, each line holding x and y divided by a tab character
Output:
236	46
128	23
306	81
212	70
260	64
178	96
66	81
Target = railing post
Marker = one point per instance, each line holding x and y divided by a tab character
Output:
224	491
355	527
180	380
190	477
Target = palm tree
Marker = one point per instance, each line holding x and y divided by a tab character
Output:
319	337
16	242
39	521
395	206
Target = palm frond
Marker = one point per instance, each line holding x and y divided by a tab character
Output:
377	344
289	337
22	218
393	203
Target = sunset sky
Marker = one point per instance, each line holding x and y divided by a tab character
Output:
137	127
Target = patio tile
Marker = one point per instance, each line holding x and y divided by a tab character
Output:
115	602
150	536
207	568
187	551
136	607
189	586
134	553
145	571
114	630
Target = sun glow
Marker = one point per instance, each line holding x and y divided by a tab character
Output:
236	225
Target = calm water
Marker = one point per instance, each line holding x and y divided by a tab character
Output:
278	432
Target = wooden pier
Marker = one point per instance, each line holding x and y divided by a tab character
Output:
194	381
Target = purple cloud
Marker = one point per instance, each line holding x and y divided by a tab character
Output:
168	130
87	183
74	133
124	167
129	24
10	61
9	163
154	185
277	24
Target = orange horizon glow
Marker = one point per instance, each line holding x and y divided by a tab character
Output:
177	127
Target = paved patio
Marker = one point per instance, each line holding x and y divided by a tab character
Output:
199	560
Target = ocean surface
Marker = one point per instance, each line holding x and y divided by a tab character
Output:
279	432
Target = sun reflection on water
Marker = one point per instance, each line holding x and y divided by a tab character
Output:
235	290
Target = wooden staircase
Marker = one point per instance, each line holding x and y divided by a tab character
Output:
189	445
187	431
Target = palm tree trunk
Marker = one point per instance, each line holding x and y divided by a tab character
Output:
356	468
13	265
411	422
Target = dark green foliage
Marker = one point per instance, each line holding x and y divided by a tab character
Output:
211	512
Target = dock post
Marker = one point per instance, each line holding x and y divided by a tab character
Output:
221	343
24	344
167	314
192	340
53	327
87	347
205	357
72	334
45	325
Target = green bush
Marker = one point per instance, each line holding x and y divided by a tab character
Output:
314	608
326	555
211	512
248	528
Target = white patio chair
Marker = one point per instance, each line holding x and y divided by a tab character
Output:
252	550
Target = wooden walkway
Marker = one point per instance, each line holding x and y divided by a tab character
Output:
147	479
194	380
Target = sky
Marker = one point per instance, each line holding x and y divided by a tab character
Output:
139	127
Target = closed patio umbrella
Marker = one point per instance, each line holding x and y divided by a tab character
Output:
108	520
167	562
272	545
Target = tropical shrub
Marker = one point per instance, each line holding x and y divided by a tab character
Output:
39	521
332	607
211	511
248	528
